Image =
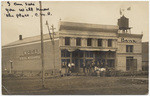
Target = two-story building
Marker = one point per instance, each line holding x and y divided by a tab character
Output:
80	43
86	43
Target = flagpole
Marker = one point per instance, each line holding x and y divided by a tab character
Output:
42	49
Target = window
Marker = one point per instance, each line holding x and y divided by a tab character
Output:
89	42
81	54
78	41
88	54
88	62
109	42
65	53
67	40
110	63
81	63
65	62
99	42
129	48
74	54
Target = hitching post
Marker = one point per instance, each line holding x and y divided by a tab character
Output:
42	49
11	67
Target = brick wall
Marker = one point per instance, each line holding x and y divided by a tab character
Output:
31	62
122	54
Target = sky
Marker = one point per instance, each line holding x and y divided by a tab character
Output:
95	12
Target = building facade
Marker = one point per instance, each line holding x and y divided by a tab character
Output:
24	56
110	46
145	56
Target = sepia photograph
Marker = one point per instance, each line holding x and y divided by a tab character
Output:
74	47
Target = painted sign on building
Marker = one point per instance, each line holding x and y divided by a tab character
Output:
127	40
30	54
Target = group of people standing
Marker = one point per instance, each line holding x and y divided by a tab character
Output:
69	68
88	68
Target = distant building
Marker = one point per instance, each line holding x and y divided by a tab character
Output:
145	56
106	45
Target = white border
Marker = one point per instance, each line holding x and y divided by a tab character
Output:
73	0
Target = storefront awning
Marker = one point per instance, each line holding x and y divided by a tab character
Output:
98	49
88	49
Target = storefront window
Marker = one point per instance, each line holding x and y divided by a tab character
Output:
75	54
100	63
81	63
110	63
88	62
88	54
65	53
62	54
80	54
64	62
91	54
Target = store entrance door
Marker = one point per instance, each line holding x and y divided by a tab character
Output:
77	65
131	64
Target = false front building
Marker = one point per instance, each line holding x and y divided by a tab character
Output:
105	45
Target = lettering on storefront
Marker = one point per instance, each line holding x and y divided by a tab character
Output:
127	40
30	54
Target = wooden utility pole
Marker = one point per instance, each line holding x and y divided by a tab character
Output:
42	49
52	28
52	38
49	32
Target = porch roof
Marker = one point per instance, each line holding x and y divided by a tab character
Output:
89	49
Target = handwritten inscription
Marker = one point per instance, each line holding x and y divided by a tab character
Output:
25	9
126	40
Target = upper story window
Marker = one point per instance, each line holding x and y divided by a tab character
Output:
89	42
67	40
78	41
109	42
129	48
99	42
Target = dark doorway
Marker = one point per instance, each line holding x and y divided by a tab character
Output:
111	63
131	64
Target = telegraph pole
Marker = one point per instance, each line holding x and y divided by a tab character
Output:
42	49
52	39
52	28
49	32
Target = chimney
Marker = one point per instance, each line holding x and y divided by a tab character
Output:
20	37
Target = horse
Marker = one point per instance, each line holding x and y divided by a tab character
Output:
99	70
